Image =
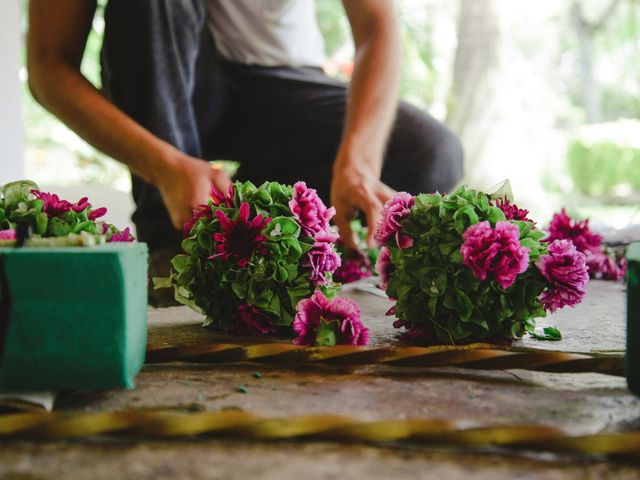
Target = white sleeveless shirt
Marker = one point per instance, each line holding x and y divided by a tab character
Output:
267	32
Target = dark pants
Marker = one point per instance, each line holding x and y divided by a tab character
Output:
159	65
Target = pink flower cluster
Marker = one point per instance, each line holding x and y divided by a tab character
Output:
123	236
565	270
54	206
494	250
313	217
395	211
322	258
355	266
511	210
563	227
344	312
604	267
601	265
309	210
8	234
384	267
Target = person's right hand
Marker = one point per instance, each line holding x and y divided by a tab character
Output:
184	183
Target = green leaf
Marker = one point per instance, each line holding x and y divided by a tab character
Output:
502	190
326	334
41	222
59	228
16	192
495	215
282	228
551	334
161	282
180	263
464	218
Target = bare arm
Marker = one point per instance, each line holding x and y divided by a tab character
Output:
58	31
373	99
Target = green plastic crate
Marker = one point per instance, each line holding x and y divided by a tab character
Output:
633	319
77	317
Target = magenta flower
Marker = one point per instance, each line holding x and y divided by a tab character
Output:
198	213
511	210
390	223
53	205
309	210
384	267
498	251
219	198
563	227
323	258
355	266
97	213
341	315
241	237
565	269
81	204
8	234
123	236
251	320
603	266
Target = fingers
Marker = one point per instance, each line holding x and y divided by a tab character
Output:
219	178
343	222
372	213
384	192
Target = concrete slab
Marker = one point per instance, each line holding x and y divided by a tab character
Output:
580	403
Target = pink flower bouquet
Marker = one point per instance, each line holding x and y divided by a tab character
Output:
253	256
467	267
602	263
47	215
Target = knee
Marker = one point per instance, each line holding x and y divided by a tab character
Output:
431	153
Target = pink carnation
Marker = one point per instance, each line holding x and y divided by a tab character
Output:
511	210
97	213
220	199
8	234
498	251
390	223
123	236
239	238
308	209
323	258
565	269
53	205
603	266
343	313
198	213
384	267
250	320
82	204
355	266
563	227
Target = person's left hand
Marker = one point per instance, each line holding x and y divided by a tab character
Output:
354	189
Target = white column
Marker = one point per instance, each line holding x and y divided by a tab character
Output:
11	131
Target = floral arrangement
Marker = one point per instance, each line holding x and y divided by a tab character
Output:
49	216
602	263
257	258
468	266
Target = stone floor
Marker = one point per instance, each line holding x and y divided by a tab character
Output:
579	403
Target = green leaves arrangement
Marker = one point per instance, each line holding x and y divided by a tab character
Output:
271	280
48	216
438	296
